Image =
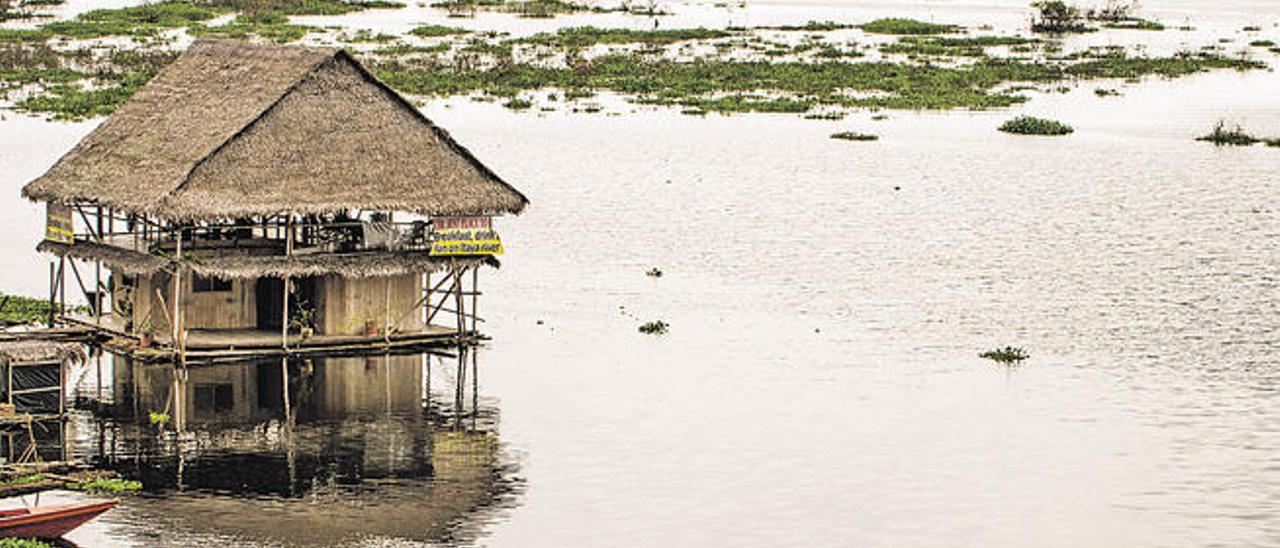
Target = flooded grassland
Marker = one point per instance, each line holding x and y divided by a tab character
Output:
824	302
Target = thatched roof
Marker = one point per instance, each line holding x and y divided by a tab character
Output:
39	352
232	129
350	265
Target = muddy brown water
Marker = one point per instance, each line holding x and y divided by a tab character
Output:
820	384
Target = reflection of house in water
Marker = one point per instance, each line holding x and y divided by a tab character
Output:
254	195
359	439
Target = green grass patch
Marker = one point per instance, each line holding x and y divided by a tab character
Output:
897	25
1262	43
1121	65
1134	24
813	26
1027	125
109	485
79	102
144	20
271	25
854	136
589	36
25	480
952	46
432	31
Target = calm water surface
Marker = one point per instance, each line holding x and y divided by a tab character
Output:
820	384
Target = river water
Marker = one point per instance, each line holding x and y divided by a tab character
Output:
820	384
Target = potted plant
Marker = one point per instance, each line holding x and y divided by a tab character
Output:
304	320
147	332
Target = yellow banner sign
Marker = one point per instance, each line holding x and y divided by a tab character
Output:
58	225
464	236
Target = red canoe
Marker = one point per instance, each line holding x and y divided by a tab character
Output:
51	521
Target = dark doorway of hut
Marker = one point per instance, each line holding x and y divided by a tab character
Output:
270	294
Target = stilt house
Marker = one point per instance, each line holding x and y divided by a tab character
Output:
254	196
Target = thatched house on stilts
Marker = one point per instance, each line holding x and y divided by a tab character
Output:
261	197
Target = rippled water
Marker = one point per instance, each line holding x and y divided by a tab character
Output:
820	384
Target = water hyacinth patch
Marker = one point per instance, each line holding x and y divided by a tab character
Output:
854	136
898	25
1009	355
1028	125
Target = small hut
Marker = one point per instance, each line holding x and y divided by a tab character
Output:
33	377
254	196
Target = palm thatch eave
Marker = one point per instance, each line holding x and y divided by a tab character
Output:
115	166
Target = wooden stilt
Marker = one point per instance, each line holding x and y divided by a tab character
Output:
62	287
53	292
475	298
176	317
458	301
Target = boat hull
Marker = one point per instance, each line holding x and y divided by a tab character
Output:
51	522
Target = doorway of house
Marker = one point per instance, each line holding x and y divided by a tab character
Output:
271	301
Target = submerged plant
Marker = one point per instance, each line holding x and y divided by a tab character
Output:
1028	125
658	327
1009	355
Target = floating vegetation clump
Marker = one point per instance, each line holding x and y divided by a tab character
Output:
946	46
898	25
518	104
854	136
1028	125
109	485
1223	135
1134	24
271	25
24	480
431	31
590	36
1009	355
813	26
1226	136
658	327
144	20
654	273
